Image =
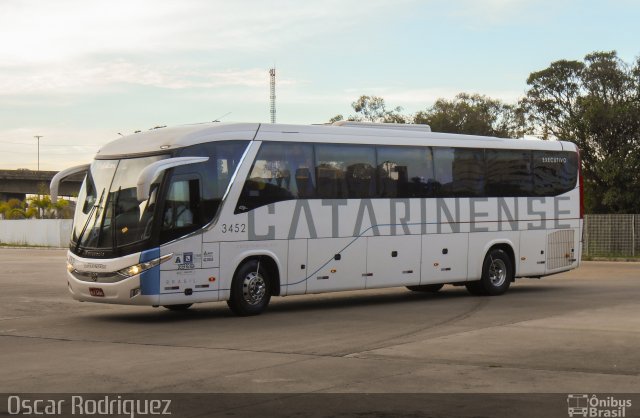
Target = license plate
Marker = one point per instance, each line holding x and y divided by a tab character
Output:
96	291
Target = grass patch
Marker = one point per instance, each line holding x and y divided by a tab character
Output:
610	257
7	245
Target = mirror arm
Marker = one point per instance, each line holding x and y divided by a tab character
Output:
150	172
54	186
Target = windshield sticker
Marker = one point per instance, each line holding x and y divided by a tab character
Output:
110	165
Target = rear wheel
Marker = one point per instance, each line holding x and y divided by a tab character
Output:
497	274
432	288
250	289
182	307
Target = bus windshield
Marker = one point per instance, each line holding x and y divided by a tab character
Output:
110	221
108	213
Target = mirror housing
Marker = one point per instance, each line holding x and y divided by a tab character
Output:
150	172
54	186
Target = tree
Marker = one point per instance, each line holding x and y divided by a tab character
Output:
372	109
42	208
473	114
336	118
37	206
596	104
16	209
45	209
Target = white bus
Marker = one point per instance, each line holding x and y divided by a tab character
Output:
244	212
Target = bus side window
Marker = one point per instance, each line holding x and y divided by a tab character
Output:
459	172
361	180
554	172
215	174
281	171
304	183
443	167
181	209
468	172
346	171
405	172
509	173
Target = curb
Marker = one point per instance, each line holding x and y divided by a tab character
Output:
17	247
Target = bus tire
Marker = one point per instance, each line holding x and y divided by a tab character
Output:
181	307
431	288
250	289
497	275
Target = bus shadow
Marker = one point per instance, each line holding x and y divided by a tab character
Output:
348	300
342	301
320	302
162	316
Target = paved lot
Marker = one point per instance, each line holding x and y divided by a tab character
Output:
574	332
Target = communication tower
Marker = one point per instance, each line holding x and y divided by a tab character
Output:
272	94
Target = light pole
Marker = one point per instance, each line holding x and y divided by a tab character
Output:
38	138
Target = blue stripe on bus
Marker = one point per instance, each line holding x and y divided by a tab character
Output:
150	279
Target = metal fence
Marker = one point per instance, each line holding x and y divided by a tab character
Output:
611	236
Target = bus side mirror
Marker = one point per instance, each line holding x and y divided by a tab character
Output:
150	172
54	186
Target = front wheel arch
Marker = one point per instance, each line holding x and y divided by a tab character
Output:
270	263
251	286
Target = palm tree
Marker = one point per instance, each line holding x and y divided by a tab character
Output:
16	209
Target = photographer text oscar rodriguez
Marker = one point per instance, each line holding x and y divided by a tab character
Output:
107	405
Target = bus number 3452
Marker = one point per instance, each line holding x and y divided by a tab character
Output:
233	228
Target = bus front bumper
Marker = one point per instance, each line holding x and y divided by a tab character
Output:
124	292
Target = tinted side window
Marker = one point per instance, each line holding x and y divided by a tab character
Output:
554	172
281	171
345	171
215	174
509	173
182	212
459	172
405	172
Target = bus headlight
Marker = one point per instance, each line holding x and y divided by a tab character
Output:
140	267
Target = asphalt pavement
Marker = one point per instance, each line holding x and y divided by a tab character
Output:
570	333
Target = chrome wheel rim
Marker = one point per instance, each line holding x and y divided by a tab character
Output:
253	288
497	272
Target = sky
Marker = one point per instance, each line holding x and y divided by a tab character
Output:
80	73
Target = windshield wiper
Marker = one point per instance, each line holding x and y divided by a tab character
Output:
86	224
113	220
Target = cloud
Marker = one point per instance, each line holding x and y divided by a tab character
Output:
43	32
86	78
73	45
64	30
60	147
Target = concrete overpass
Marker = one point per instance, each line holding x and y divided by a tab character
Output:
19	183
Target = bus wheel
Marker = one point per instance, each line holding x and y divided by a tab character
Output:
250	293
432	288
182	307
497	273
